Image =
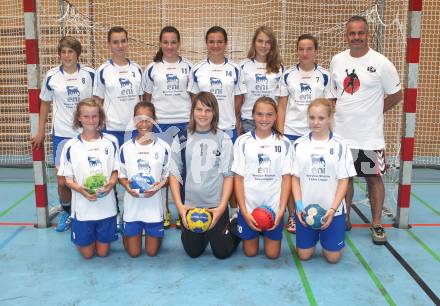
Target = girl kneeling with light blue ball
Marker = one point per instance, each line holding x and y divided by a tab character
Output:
322	164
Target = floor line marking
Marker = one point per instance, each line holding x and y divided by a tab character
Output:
424	245
417	197
16	203
426	204
10	238
17	224
424	286
300	269
370	271
389	225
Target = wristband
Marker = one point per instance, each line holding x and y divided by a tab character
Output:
299	205
333	209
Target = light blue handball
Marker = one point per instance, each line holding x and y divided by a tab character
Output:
313	216
141	182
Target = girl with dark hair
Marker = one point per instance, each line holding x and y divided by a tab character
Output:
201	177
165	85
118	86
145	156
63	86
218	75
300	85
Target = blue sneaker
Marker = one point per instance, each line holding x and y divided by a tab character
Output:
64	223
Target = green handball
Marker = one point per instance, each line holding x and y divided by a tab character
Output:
94	182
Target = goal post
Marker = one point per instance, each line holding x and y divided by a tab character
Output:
409	107
34	85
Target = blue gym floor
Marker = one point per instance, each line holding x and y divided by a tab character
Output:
42	267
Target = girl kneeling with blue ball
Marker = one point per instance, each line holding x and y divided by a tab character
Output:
322	164
144	171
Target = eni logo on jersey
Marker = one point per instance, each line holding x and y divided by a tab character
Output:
73	95
216	86
94	161
126	86
261	82
305	92
318	164
351	82
172	81
95	164
143	166
264	163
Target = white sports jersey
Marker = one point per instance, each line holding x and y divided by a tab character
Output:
81	159
359	85
168	84
262	163
319	165
65	91
152	159
258	84
224	81
120	87
302	88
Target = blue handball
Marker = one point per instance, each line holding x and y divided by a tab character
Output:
313	216
141	182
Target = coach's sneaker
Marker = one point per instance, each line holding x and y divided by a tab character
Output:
291	225
167	221
64	223
378	234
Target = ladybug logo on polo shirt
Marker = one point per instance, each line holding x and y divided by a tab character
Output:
351	82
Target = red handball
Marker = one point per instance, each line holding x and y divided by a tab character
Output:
265	217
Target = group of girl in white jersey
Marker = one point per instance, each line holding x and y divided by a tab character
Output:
204	107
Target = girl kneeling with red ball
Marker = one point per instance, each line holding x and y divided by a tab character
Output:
262	167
